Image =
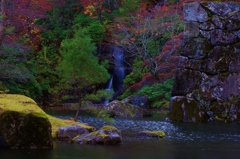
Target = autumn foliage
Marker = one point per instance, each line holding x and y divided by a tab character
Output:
21	15
147	29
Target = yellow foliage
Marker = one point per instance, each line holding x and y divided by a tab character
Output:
89	10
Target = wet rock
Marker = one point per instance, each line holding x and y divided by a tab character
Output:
105	135
69	132
186	109
122	109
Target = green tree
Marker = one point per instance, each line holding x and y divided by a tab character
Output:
91	26
58	24
80	68
16	72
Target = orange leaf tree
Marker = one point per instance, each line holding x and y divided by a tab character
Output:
144	33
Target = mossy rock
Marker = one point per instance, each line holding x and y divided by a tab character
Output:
156	133
25	125
186	109
57	123
105	135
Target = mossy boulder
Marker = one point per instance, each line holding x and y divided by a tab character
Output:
23	124
186	109
106	135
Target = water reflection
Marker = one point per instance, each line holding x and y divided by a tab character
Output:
183	141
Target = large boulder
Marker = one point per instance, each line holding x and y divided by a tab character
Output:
105	135
125	109
23	124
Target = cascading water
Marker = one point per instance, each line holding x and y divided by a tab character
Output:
109	87
117	78
119	71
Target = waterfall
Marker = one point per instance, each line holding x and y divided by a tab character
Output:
117	78
109	87
119	70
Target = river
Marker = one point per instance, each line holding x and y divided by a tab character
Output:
183	141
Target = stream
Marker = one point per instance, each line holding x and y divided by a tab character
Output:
182	141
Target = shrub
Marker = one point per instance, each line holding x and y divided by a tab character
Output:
158	94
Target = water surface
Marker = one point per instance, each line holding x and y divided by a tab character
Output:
183	141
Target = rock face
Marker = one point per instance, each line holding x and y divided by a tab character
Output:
207	81
23	124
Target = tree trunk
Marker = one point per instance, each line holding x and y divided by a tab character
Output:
79	107
2	18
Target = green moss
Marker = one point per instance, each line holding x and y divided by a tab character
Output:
157	133
22	123
20	103
23	105
57	123
109	128
100	137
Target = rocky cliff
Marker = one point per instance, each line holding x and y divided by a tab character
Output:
207	81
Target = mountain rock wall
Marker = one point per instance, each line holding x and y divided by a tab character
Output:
207	80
